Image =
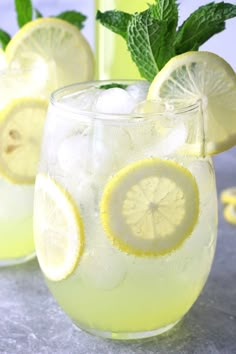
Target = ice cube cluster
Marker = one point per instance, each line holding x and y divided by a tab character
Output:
83	151
86	152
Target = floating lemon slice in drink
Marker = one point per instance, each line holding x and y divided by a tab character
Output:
209	80
150	207
21	128
60	53
58	229
228	196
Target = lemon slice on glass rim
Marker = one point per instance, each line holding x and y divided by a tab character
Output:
55	48
150	207
58	229
21	128
206	79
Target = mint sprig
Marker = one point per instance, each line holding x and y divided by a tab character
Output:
4	39
113	85
167	10
117	21
202	24
73	17
24	11
148	43
153	36
37	14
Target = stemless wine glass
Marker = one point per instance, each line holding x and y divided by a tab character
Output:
125	217
21	92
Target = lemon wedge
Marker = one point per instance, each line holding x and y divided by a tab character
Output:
228	196
58	229
55	48
150	207
206	79
21	128
230	213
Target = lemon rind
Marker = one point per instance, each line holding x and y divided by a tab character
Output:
13	45
104	210
228	196
4	116
171	66
230	214
44	179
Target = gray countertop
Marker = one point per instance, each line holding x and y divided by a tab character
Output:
31	322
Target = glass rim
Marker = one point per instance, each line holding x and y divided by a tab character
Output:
111	117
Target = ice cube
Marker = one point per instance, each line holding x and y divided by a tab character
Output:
115	101
85	192
83	100
204	174
73	154
86	153
102	268
138	91
170	140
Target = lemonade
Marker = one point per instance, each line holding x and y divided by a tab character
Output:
15	223
105	289
34	63
21	103
125	210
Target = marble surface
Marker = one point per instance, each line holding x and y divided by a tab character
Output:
32	323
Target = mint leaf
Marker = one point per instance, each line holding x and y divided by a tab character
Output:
112	85
165	10
73	17
149	43
4	39
116	21
202	25
37	13
24	11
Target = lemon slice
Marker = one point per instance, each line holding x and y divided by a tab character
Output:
58	51
58	229
230	213
3	61
21	127
205	78
228	196
150	207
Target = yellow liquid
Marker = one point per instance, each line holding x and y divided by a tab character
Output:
16	230
16	239
112	56
114	292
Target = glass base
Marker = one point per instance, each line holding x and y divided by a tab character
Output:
128	335
14	261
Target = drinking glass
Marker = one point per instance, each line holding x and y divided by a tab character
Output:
16	207
100	175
